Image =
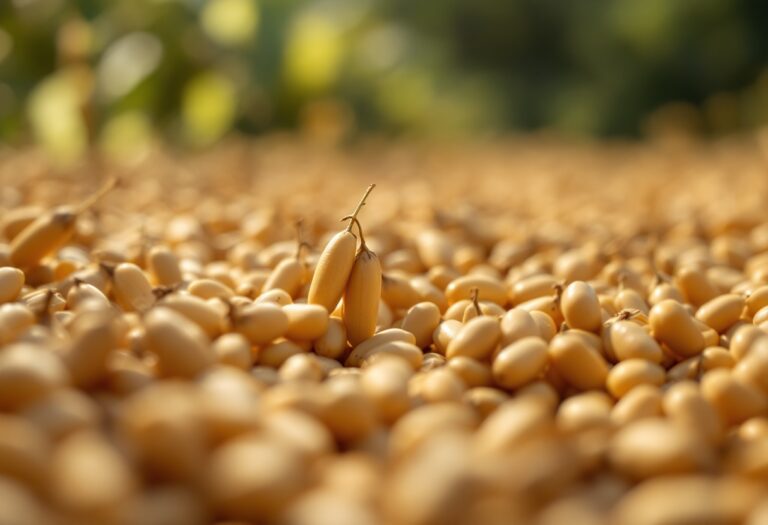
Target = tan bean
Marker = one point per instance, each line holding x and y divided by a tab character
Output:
164	427
15	319
361	296
654	447
532	287
11	283
164	266
385	382
756	300
43	236
585	411
132	289
514	423
88	451
301	367
82	292
673	326
435	248
210	289
233	349
488	289
421	320
62	412
440	385
348	414
276	296
239	492
628	299
477	339
357	356
517	324
289	275
580	365
24	452
695	286
445	333
276	353
485	400
407	351
261	323
397	292
441	276
581	307
95	337
182	348
716	357
520	363
474	373
547	327
333	343
743	340
28	374
631	373
721	312
457	310
429	292
629	340
734	400
306	322
641	402
549	305
197	310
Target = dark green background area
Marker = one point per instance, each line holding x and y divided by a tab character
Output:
426	67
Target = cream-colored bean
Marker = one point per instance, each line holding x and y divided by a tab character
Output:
132	289
477	339
585	411
581	307
421	320
210	289
233	349
15	319
182	348
532	287
629	340
643	401
11	283
520	363
654	447
721	312
488	289
445	333
110	482
673	326
631	373
306	322
164	266
358	355
517	324
580	365
333	343
474	373
27	374
261	323
734	400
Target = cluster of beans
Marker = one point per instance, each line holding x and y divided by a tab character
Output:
176	349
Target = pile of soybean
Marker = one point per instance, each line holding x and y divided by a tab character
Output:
520	332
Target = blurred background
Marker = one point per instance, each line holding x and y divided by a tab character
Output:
124	74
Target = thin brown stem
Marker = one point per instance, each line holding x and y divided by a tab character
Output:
359	206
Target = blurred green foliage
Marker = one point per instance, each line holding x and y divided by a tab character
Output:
122	73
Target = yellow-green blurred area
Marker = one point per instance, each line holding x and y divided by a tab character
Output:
122	75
